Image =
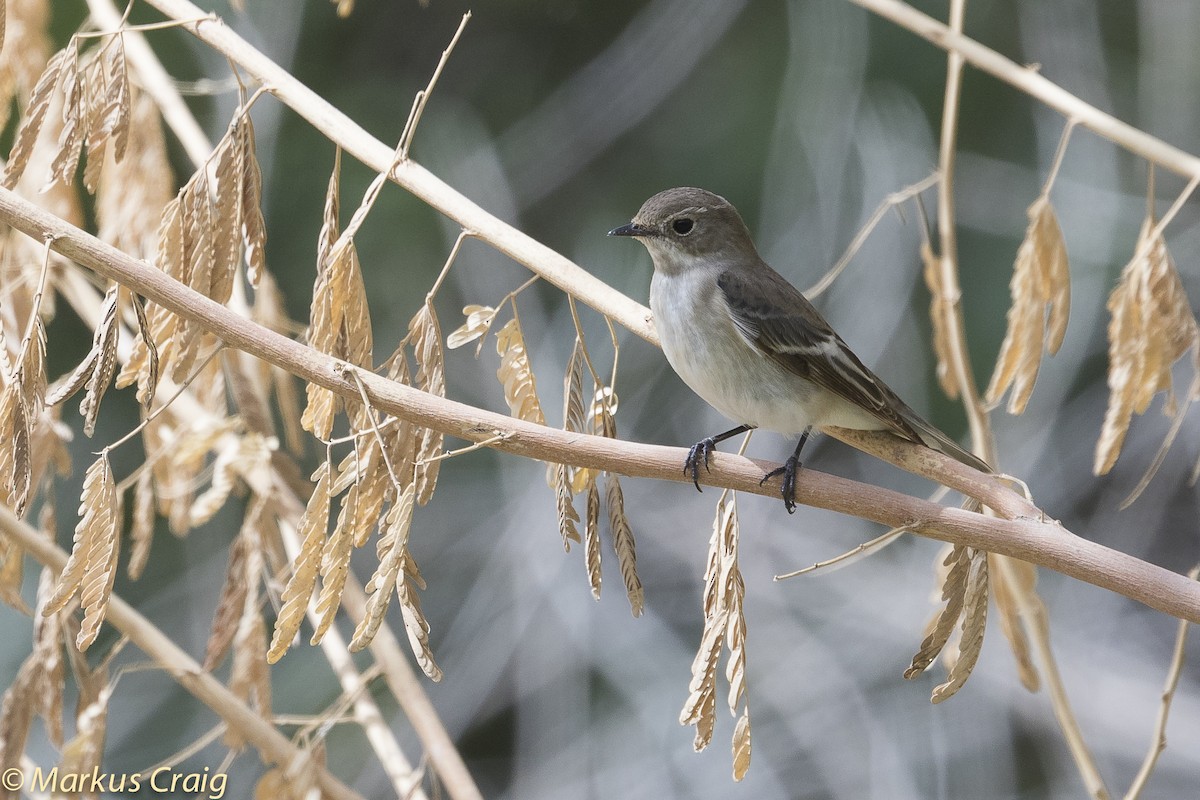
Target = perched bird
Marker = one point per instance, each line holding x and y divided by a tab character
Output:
750	344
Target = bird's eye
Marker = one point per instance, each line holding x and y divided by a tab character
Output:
683	226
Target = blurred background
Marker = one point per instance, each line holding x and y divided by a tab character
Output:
561	118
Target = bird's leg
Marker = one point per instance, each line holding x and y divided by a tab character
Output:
788	471
702	449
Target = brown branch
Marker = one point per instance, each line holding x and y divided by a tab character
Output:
1048	545
273	745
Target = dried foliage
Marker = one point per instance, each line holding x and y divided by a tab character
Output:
97	368
591	538
81	755
724	626
479	322
623	545
965	593
141	528
83	109
250	679
1152	326
202	235
1041	304
16	466
61	68
392	549
92	566
564	488
299	589
339	322
1014	581
430	376
37	689
94	91
516	375
941	306
603	419
229	606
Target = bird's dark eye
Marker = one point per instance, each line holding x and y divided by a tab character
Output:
683	226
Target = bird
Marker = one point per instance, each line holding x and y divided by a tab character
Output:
751	345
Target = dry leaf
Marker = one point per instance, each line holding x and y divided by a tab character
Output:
230	605
296	595
623	543
147	378
974	621
60	69
81	755
92	565
430	377
954	592
12	575
722	616
515	374
141	529
941	309
104	345
479	322
741	746
16	716
1152	326
392	549
16	469
335	566
48	636
1041	295
253	228
568	517
591	538
1023	576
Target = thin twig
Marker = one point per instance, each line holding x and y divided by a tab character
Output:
850	556
1159	741
164	406
1059	155
418	108
891	201
463	235
488	442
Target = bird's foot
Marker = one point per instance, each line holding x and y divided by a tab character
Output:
788	486
699	452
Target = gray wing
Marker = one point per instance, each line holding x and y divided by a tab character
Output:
780	322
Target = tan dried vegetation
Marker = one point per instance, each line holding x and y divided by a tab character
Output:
209	433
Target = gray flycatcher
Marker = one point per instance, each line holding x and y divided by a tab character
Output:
750	344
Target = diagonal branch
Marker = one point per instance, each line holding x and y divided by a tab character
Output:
1028	539
1027	80
423	184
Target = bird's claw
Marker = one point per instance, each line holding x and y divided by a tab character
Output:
787	486
700	451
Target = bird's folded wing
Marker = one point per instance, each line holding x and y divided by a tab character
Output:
778	320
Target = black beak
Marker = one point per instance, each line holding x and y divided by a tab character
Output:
632	229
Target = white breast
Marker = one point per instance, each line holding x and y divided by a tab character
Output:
710	355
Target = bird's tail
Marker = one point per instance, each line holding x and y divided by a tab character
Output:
934	439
